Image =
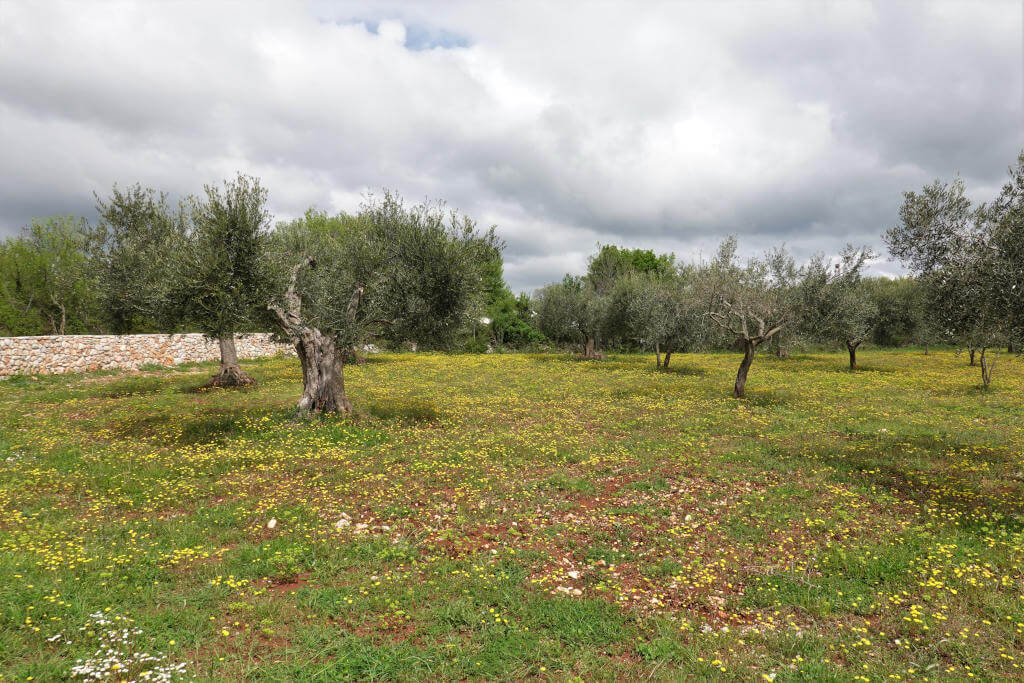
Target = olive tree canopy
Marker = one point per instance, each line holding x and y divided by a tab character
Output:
133	249
222	276
46	282
571	312
412	273
835	303
663	311
955	249
1005	220
753	302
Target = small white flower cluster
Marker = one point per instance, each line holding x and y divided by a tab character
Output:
116	658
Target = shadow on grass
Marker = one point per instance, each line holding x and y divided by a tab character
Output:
884	465
215	424
40	381
413	410
868	368
135	386
969	389
200	429
763	398
682	369
205	388
562	358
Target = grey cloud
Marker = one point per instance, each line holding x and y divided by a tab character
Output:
565	125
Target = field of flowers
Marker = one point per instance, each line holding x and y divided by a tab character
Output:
513	516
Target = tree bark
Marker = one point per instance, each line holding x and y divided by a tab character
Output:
971	352
741	376
590	351
987	366
323	363
230	374
668	355
323	375
852	347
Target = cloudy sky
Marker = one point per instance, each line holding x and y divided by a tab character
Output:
662	125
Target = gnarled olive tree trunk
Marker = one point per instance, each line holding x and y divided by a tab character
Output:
668	357
323	372
590	351
321	356
739	326
230	374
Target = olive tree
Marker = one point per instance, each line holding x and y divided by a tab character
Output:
571	312
414	273
936	238
956	251
132	248
608	275
663	312
899	305
753	302
835	303
222	276
1005	223
46	284
595	308
975	290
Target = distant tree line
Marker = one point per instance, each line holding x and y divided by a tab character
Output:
635	299
426	276
966	289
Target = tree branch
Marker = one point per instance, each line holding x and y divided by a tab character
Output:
772	332
291	316
353	303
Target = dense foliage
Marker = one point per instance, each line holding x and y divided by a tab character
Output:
397	273
423	276
46	280
968	260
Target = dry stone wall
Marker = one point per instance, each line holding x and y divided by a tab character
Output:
84	352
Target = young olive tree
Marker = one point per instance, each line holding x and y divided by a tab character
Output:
222	275
938	229
593	309
951	247
609	272
1005	225
46	285
835	303
410	273
132	248
663	312
753	302
979	318
899	305
570	312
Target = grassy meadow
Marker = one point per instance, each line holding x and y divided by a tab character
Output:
510	516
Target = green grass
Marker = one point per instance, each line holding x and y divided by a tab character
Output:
515	516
